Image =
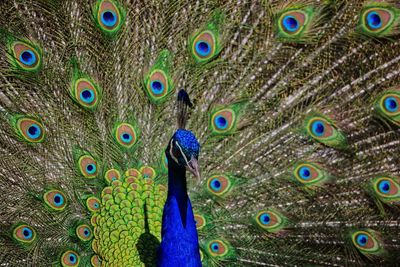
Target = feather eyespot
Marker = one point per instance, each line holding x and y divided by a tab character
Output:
158	82
387	188
55	199
109	16
293	22
270	220
217	248
223	121
158	85
387	105
31	130
70	259
377	19
93	204
204	46
219	185
125	135
87	166
86	93
309	174
26	56
84	232
366	242
24	233
324	131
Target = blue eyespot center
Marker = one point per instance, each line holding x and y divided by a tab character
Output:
374	20
108	18
27	57
216	184
362	240
91	168
27	233
34	131
58	199
290	23
265	219
384	187
72	258
157	87
214	247
318	128
87	96
391	104
203	48
86	232
126	137
96	205
221	122
305	173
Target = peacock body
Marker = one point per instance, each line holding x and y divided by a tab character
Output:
295	107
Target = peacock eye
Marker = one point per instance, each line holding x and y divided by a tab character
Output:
292	22
158	82
219	185
203	47
55	199
126	135
270	220
109	16
387	188
309	174
26	56
366	242
376	19
84	232
387	106
223	121
30	129
323	130
24	233
217	248
86	93
70	259
87	166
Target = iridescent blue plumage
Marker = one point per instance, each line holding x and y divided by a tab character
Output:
179	246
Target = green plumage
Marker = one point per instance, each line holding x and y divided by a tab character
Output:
295	106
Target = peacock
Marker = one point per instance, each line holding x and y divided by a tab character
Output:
283	148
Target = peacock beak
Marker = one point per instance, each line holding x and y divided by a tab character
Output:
193	167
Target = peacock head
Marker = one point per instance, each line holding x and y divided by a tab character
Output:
183	149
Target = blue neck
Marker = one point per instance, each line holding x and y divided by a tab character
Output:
177	187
